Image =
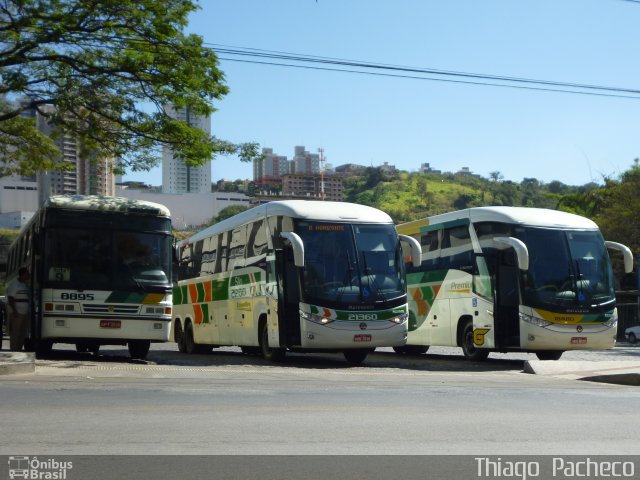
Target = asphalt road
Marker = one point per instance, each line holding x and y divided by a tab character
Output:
228	403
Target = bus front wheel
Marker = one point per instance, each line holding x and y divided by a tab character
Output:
138	349
549	355
355	357
268	353
471	352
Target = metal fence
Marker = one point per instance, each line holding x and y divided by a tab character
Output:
628	303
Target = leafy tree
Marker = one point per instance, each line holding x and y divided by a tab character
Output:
618	215
107	68
464	201
228	212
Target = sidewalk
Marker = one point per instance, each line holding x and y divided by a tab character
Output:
609	371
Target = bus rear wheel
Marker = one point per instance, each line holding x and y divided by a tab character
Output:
469	349
355	357
138	349
268	353
549	355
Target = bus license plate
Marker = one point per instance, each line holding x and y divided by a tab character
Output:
362	338
578	340
110	323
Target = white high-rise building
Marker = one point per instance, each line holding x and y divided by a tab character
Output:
177	177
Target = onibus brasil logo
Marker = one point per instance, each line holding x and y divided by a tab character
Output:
38	469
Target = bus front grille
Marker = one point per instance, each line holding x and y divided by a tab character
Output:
115	309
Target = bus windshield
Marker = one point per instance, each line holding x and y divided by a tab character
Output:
347	263
107	260
567	268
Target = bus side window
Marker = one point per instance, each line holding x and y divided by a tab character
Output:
256	243
430	242
237	248
457	251
223	249
196	258
209	250
184	259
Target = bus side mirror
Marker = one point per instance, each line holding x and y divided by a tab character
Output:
626	252
522	252
416	249
297	245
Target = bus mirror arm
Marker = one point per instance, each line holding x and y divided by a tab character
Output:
626	252
522	253
297	245
416	249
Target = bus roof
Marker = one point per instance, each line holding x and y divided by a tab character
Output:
533	217
301	209
107	204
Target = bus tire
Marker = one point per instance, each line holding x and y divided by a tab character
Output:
268	353
190	346
355	357
178	336
44	347
411	349
138	349
250	350
549	354
469	349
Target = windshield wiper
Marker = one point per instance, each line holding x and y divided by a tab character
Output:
372	279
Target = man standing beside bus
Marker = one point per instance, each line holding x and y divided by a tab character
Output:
18	309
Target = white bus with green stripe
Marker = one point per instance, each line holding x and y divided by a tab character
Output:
297	275
511	279
100	273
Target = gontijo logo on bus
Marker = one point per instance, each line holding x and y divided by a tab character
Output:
574	318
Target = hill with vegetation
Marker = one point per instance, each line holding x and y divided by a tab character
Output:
613	205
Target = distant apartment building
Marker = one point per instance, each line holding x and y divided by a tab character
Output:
426	168
177	176
85	176
269	169
304	162
312	186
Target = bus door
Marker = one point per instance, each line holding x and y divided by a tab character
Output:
288	298
507	300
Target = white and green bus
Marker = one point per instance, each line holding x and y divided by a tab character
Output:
511	279
297	275
100	273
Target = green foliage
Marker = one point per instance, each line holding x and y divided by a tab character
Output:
228	212
618	213
410	196
108	67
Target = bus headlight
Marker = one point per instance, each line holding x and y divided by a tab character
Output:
403	317
612	322
315	318
538	322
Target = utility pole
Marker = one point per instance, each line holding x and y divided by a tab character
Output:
321	150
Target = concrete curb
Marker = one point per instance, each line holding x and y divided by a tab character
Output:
616	372
17	363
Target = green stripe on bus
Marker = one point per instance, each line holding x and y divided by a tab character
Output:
200	290
435	276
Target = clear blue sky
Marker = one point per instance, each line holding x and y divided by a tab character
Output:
372	119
